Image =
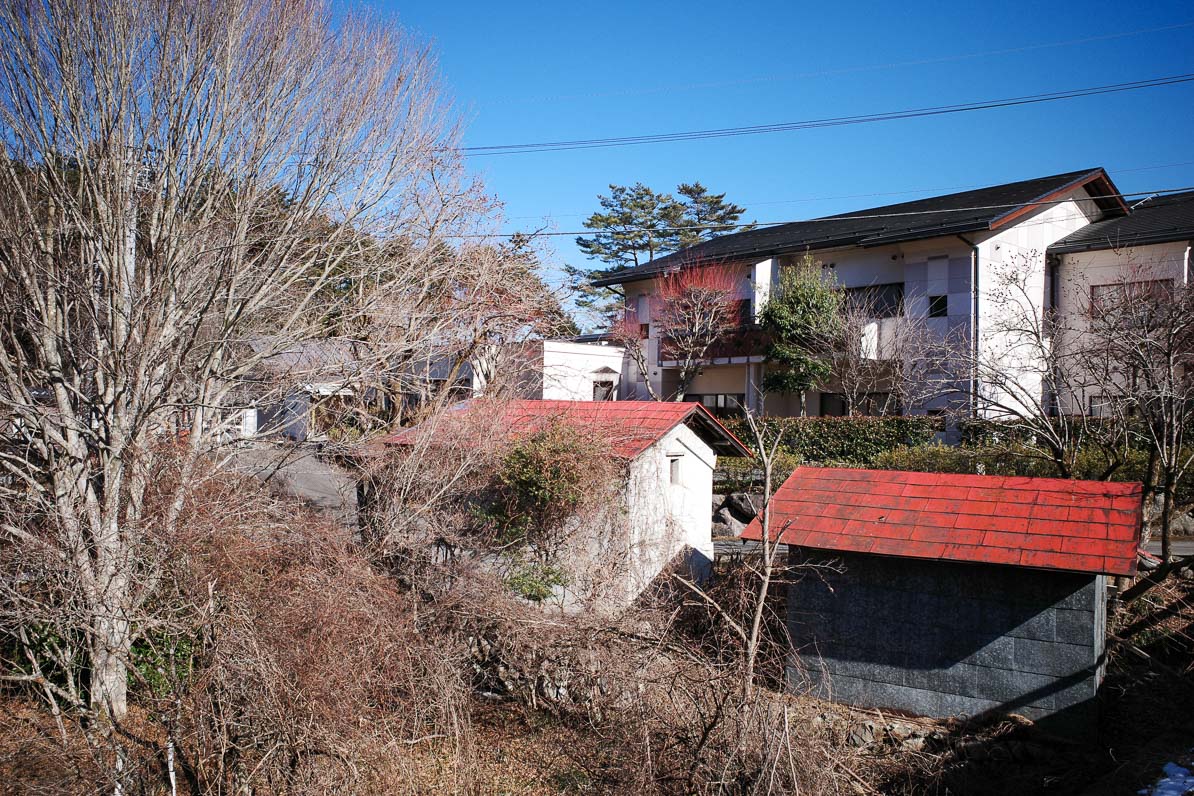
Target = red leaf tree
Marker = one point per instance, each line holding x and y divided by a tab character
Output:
693	307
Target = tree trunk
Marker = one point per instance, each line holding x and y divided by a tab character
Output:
1166	514
110	645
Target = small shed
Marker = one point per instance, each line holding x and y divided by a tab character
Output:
956	595
670	450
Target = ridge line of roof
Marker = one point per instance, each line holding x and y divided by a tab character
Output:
862	237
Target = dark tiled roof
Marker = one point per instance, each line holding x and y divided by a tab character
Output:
1041	523
955	213
1160	219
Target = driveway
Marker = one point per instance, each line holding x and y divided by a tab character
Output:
295	470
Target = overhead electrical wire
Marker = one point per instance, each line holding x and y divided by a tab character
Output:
842	217
835	121
806	199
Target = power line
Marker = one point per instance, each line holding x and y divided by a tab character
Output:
842	217
867	195
836	121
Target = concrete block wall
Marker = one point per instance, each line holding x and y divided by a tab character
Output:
939	638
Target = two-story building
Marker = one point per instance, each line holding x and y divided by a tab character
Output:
1146	250
931	259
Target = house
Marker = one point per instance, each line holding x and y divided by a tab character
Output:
299	388
1149	247
567	370
955	595
670	451
933	259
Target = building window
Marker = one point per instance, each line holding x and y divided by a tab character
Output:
1098	406
644	331
877	301
603	391
938	306
1124	294
719	404
673	464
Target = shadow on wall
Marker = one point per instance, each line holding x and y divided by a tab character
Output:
942	639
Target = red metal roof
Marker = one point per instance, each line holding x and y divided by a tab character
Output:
1044	523
630	427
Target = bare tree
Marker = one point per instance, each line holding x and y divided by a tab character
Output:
1025	381
179	179
1137	346
885	361
693	308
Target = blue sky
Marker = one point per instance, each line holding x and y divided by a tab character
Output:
524	72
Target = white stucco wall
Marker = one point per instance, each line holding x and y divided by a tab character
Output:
665	519
570	369
1079	272
1017	254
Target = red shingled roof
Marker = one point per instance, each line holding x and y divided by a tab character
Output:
1044	523
629	426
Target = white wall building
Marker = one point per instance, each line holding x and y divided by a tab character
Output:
939	260
565	370
1150	245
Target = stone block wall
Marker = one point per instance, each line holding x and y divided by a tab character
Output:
941	638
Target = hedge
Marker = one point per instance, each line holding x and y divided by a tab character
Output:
1089	464
843	441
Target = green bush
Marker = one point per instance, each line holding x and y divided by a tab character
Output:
844	441
738	474
542	482
1021	460
536	582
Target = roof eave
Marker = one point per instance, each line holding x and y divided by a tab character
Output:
1139	240
729	445
1109	198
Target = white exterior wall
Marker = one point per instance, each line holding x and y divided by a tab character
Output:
638	301
1018	253
640	298
667	518
570	369
1078	272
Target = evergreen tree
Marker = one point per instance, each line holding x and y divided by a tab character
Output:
637	224
801	318
707	215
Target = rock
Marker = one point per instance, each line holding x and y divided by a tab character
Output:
861	734
743	506
726	524
914	744
718	502
1181	523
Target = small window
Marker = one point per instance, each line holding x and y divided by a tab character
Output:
673	463
603	391
938	306
644	331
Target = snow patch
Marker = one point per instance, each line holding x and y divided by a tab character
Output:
1178	781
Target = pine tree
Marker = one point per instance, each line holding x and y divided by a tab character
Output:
637	224
707	215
